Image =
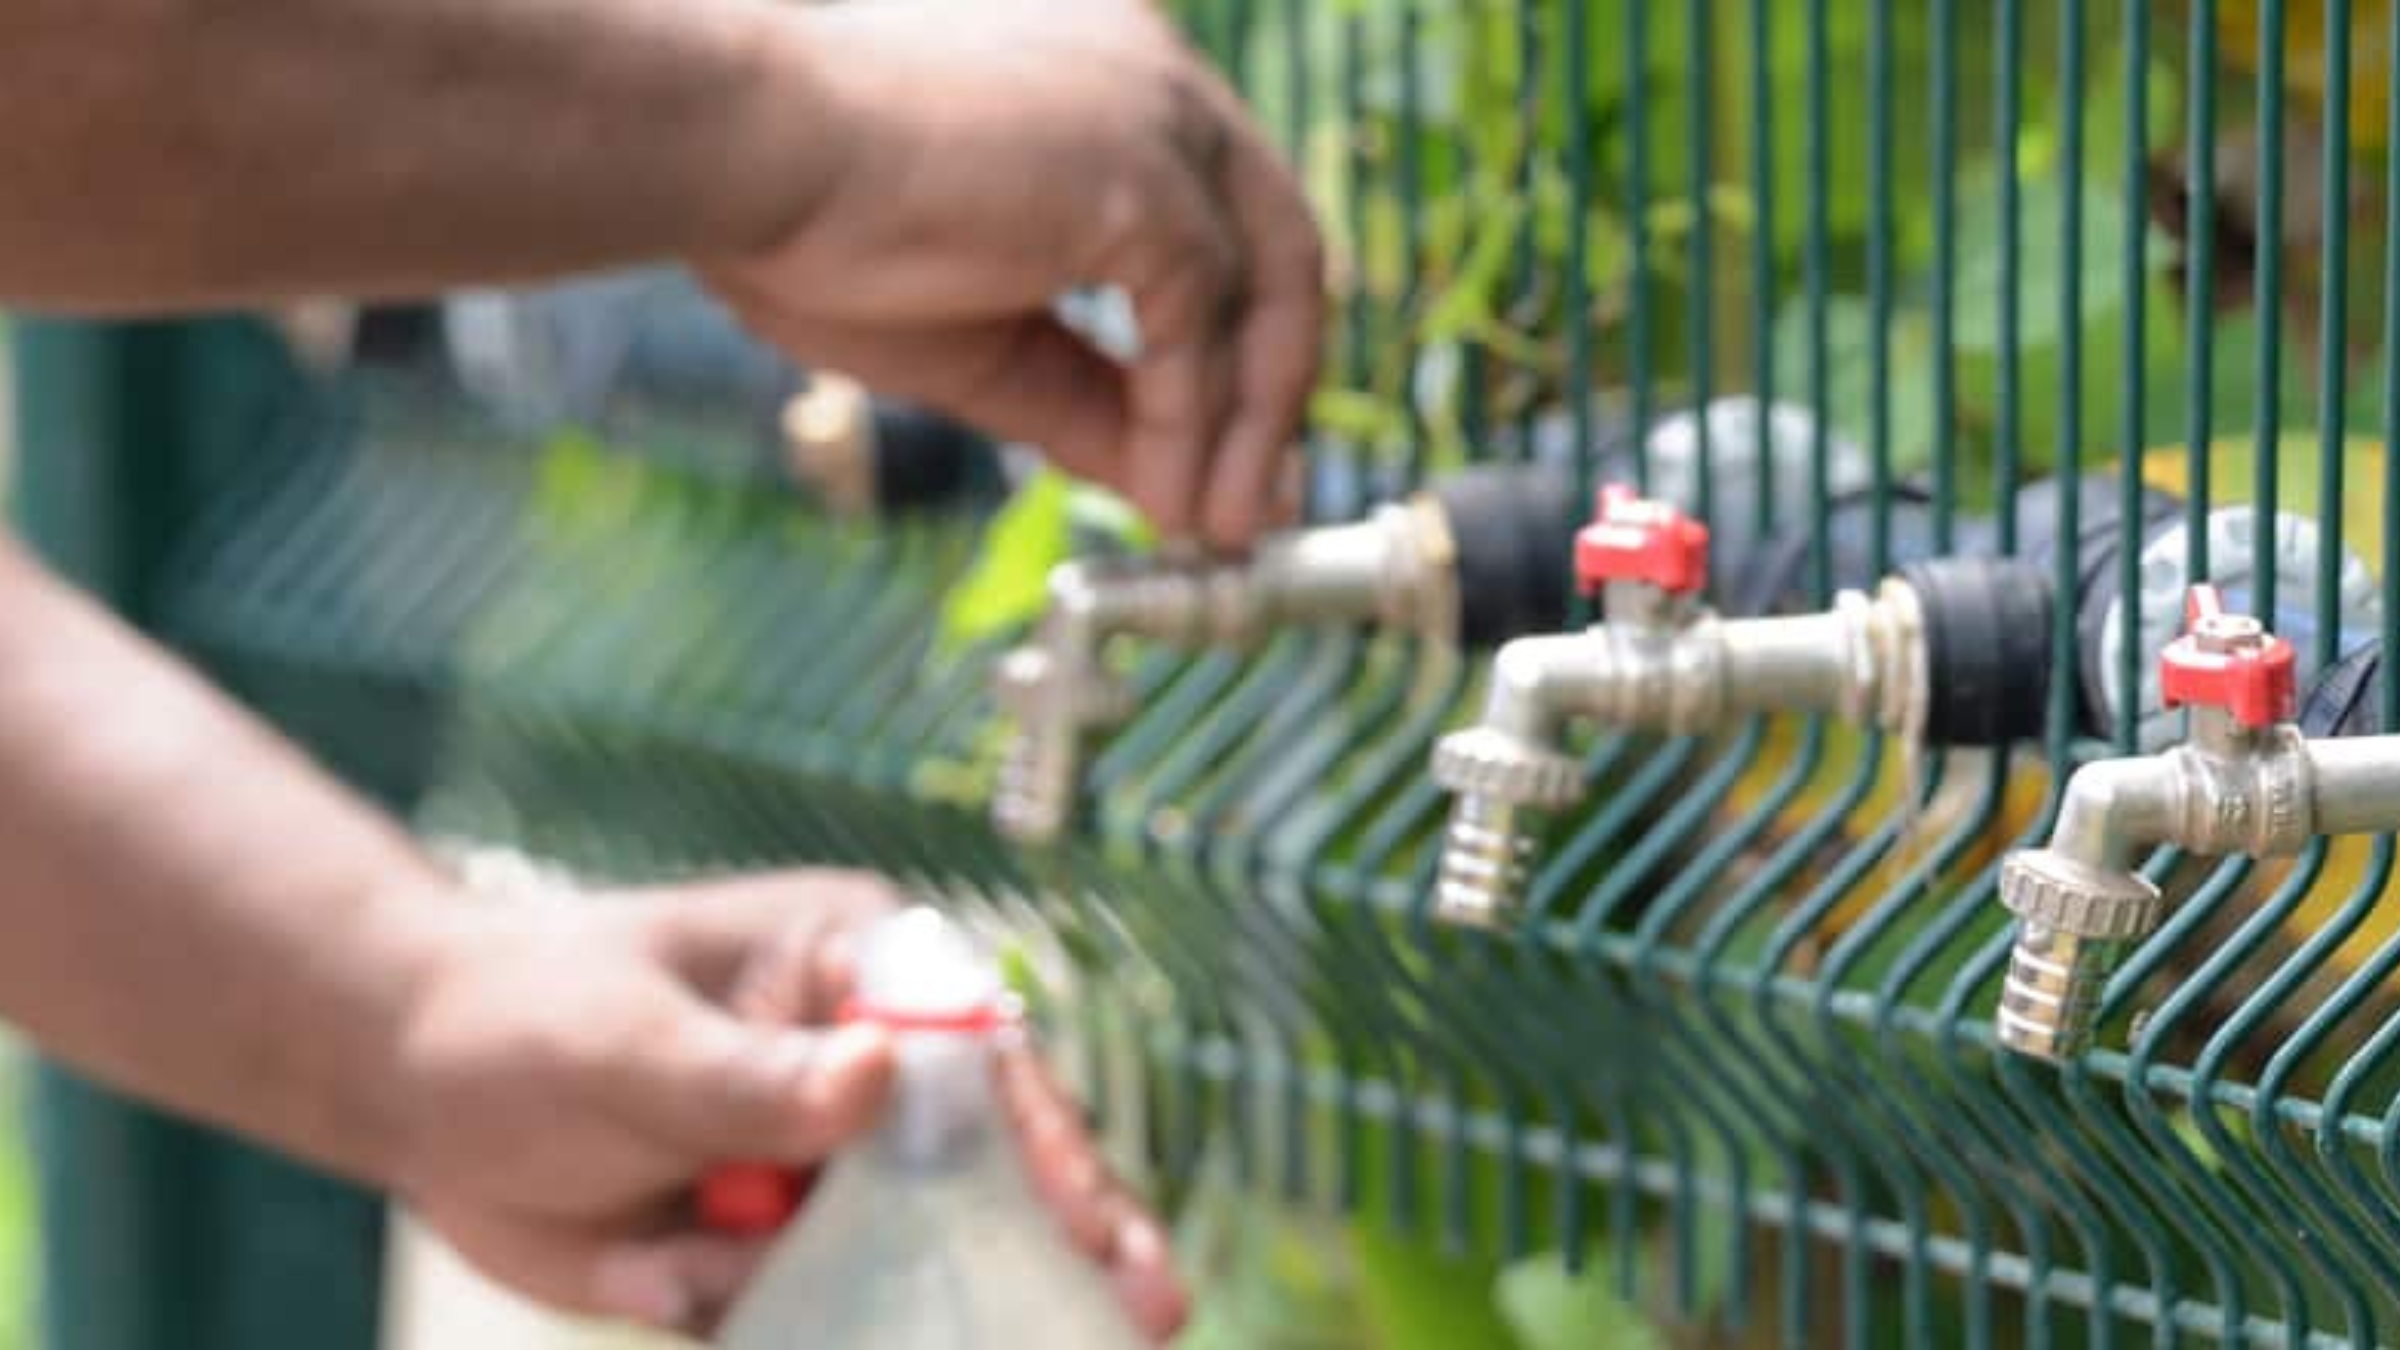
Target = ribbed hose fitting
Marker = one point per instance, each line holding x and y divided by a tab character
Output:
2050	1001
2074	921
1484	856
1504	785
1036	787
1053	699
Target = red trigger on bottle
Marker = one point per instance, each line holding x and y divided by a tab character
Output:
755	1199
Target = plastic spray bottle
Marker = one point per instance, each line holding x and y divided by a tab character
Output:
929	1236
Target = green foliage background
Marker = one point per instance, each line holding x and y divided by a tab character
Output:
16	1208
16	1174
1478	218
1458	208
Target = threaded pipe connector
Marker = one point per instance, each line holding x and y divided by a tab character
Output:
1501	780
1488	762
1483	872
1040	772
1035	793
2074	921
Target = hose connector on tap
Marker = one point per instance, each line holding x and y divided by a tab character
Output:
2244	780
1660	660
1465	562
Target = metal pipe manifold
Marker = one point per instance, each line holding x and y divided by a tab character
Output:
1948	650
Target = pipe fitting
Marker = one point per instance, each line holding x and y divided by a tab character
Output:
862	454
1460	562
1055	688
2244	780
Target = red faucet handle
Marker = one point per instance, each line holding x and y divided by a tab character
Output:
1634	538
2229	662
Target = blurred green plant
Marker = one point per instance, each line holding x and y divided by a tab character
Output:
16	1208
1006	586
1447	181
16	1168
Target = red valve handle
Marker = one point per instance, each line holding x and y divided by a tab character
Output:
2254	679
1636	539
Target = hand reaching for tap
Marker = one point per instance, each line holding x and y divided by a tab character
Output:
898	189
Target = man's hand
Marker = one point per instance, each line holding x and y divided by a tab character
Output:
897	189
571	1071
994	155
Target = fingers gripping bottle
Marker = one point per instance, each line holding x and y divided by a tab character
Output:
929	1236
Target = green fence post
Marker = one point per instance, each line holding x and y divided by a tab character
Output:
158	1234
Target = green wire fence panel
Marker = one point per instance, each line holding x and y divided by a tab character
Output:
2089	282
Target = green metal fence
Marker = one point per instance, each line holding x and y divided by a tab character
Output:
1740	1062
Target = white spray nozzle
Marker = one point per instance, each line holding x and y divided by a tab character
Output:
917	971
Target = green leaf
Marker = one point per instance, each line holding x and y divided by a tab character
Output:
1009	582
1414	1297
2194	1138
1383	253
1096	512
1270	1277
581	484
1849	382
1548	1308
1470	300
1357	416
2041	264
17	1209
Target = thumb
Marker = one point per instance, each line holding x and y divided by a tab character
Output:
723	1089
1025	377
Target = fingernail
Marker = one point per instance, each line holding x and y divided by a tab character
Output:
1146	1283
1141	1244
634	1286
1075	1189
837	961
846	1064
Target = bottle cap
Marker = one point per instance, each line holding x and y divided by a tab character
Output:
919	977
1638	539
2230	662
918	973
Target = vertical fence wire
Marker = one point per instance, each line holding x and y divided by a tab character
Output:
2267	267
1881	129
1634	110
1699	73
1532	115
2008	430
1943	80
1409	171
2067	454
2131	441
1575	97
2199	291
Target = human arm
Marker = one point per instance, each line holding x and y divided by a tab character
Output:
192	911
897	189
164	154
